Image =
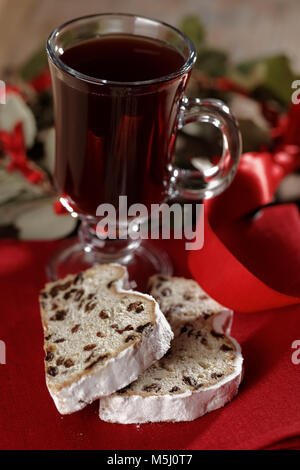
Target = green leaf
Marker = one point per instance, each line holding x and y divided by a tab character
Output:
279	78
248	75
272	74
213	62
34	65
192	27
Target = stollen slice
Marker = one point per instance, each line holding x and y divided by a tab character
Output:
201	372
98	336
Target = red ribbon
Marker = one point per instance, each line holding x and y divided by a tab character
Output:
251	255
13	145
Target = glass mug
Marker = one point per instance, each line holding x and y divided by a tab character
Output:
116	138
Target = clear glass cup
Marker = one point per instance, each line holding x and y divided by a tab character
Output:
117	139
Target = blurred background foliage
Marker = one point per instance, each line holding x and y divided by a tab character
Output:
257	90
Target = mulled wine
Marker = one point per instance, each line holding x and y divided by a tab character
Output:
115	138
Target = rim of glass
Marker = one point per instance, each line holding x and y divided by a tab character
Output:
99	81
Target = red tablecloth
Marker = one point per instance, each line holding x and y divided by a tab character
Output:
265	414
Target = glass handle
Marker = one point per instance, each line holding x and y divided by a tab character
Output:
207	183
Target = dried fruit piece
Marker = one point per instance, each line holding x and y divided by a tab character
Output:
191	382
152	388
53	371
49	356
215	375
78	278
68	363
141	328
129	338
59	340
127	328
103	314
90	306
75	328
78	295
59	316
136	306
65	286
89	357
225	348
99	359
54	291
68	294
89	347
216	335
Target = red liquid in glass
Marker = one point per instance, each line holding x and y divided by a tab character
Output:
115	139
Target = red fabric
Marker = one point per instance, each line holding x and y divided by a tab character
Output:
265	414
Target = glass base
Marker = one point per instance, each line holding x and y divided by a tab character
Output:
141	263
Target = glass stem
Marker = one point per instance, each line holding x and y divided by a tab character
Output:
106	248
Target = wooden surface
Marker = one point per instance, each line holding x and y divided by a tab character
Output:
247	28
